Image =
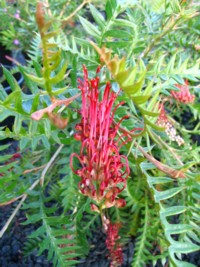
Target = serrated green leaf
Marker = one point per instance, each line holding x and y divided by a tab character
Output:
23	142
57	61
167	193
17	124
51	34
97	16
4	114
3	93
40	231
34	142
117	34
172	211
90	28
4	158
38	68
158	180
123	76
18	104
140	99
183	247
138	86
45	141
173	229
30	84
11	80
153	125
115	45
32	219
125	23
149	113
110	8
60	75
12	98
3	147
37	80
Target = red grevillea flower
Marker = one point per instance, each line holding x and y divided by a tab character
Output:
103	170
184	95
113	245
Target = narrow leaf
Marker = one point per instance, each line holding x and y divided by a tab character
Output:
90	28
167	193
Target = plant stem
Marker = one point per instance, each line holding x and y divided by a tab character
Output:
12	216
49	164
46	2
10	201
46	68
63	8
64	21
24	196
34	169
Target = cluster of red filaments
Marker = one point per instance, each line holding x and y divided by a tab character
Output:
103	170
184	95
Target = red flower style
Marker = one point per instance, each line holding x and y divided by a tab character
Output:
103	170
184	95
113	245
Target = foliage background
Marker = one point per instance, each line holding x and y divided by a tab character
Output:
157	47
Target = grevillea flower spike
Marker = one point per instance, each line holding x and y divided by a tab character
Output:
103	170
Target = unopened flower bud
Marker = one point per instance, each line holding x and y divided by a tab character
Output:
94	208
120	203
77	136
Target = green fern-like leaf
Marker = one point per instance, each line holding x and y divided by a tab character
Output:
146	237
12	184
187	226
34	53
57	233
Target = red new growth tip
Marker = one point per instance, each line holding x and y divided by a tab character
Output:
184	95
103	170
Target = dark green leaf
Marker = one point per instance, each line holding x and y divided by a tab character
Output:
90	28
118	34
11	80
97	16
110	8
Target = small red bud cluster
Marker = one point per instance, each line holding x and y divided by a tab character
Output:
184	95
